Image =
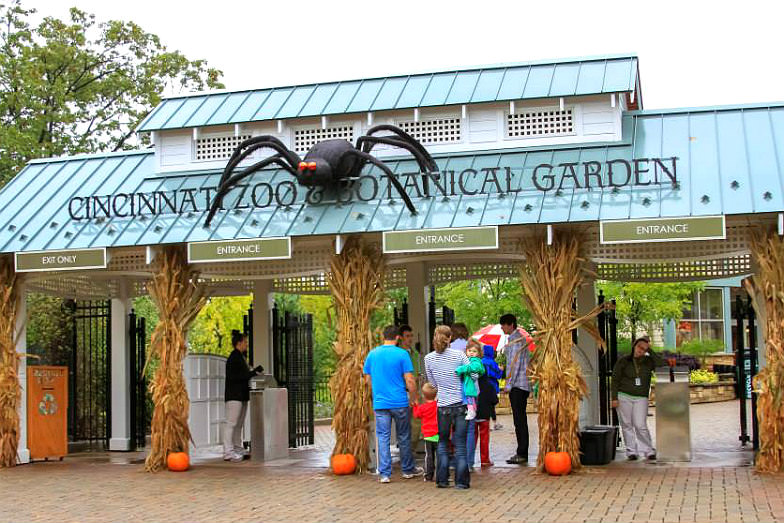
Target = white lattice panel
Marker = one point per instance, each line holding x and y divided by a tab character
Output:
540	122
442	130
218	147
692	270
475	271
306	138
80	286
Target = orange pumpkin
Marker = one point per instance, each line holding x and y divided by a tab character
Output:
177	461
343	464
557	463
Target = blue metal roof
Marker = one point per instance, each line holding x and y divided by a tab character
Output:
731	162
581	76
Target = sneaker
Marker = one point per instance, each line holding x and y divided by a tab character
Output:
497	426
631	457
442	485
488	464
237	458
384	479
462	487
471	469
517	460
418	471
651	457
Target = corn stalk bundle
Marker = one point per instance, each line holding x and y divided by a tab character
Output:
356	279
767	291
10	389
549	279
177	296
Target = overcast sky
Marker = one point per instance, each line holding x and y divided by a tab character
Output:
691	53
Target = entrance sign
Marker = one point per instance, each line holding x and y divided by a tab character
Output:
686	228
47	406
434	240
71	260
240	250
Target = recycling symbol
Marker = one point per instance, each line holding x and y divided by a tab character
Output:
48	405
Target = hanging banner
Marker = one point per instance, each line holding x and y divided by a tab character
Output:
240	250
71	260
47	408
687	228
435	240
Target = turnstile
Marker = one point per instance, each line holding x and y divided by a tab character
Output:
673	429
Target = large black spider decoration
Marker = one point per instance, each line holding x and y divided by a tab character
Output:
327	164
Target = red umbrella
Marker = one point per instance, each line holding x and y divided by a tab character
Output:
494	335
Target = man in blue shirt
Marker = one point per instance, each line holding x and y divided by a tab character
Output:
389	374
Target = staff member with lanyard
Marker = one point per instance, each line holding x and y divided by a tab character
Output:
631	384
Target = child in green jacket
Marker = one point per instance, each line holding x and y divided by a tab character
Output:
470	374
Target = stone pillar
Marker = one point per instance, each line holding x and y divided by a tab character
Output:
416	281
586	354
120	370
21	346
263	301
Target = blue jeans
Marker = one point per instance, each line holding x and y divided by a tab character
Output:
453	426
402	419
471	443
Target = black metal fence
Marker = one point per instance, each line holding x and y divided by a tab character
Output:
89	406
744	314
292	341
608	330
140	397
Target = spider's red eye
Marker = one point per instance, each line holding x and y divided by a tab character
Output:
303	166
312	166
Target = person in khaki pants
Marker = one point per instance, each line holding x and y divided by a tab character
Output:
236	395
631	384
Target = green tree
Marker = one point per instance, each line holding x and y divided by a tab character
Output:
211	330
78	85
642	305
481	302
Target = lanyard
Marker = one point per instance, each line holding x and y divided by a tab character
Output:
636	368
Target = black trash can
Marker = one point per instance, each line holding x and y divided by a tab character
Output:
597	444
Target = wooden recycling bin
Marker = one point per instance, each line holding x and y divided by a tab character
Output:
47	411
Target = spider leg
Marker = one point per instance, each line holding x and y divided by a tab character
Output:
366	144
368	158
229	184
401	134
250	145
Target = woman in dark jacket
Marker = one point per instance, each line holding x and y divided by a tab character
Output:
236	395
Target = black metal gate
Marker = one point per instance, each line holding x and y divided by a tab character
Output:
745	318
292	342
608	330
140	422
436	316
89	405
247	329
401	315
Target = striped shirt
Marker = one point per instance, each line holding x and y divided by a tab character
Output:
440	370
516	366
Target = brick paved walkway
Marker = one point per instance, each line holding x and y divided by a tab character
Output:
112	487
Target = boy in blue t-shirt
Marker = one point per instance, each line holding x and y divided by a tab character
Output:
389	374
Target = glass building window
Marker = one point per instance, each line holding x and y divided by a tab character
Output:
703	319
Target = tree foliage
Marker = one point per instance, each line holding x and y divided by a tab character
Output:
642	305
211	330
481	302
79	85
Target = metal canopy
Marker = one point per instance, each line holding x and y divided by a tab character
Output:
581	76
730	162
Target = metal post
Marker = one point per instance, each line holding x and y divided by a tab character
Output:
752	373
740	370
601	320
613	324
133	373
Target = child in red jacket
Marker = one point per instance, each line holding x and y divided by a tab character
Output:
428	413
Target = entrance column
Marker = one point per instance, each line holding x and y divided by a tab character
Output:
21	346
416	282
262	331
121	370
586	354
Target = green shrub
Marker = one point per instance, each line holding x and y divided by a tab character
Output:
703	376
